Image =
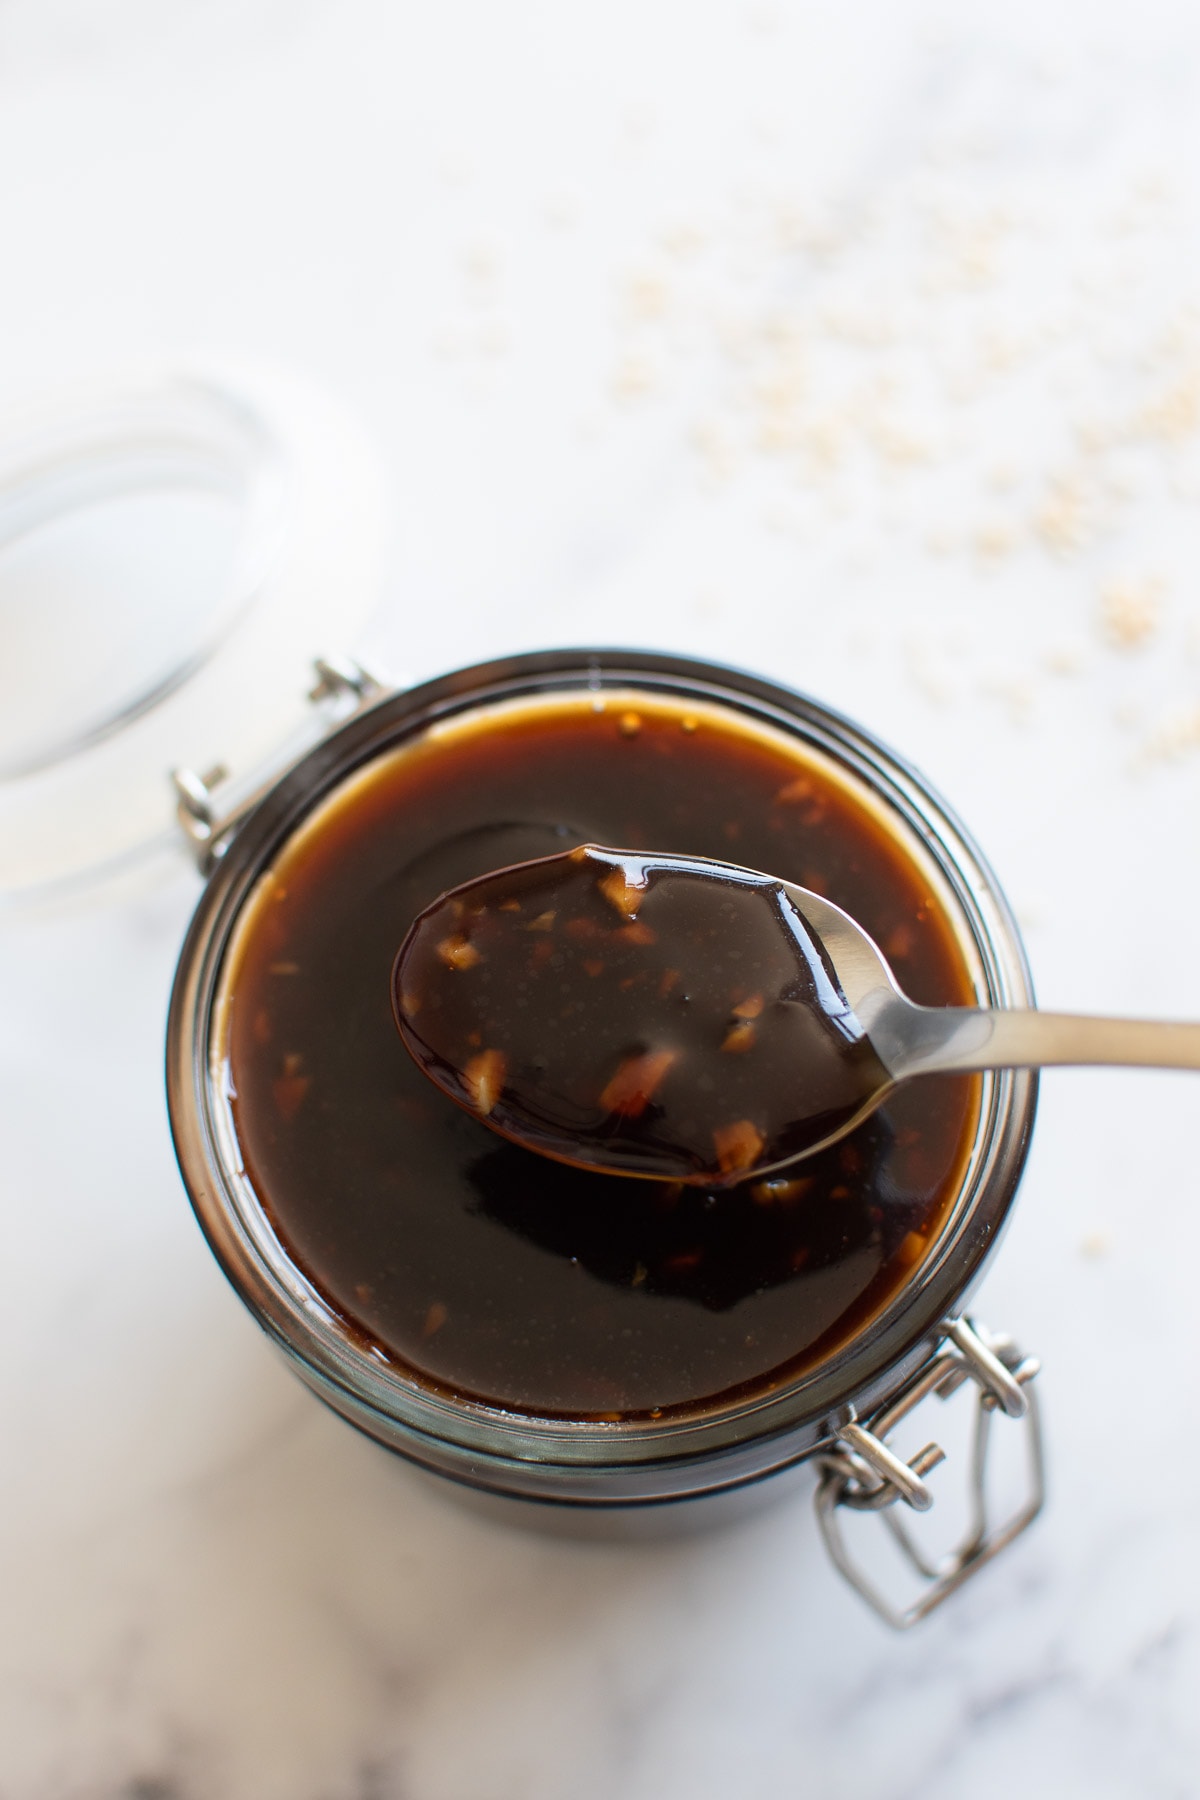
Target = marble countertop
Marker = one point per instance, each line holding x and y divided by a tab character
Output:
858	346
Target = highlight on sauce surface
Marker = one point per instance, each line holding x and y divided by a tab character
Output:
648	1015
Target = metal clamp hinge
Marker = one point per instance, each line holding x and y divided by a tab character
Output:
209	807
862	1473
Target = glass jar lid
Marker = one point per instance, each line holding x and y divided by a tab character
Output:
176	547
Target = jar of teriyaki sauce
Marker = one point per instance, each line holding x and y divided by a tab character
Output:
534	1330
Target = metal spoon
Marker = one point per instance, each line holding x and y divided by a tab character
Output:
534	997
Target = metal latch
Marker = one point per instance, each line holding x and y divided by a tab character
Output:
208	807
863	1473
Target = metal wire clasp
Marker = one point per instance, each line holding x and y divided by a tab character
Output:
210	806
863	1473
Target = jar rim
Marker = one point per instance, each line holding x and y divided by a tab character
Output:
468	1437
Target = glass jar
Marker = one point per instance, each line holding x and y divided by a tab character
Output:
841	1412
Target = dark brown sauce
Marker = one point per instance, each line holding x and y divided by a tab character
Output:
644	1015
479	1267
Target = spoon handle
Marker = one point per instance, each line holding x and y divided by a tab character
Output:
947	1038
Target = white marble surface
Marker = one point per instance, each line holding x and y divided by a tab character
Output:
860	346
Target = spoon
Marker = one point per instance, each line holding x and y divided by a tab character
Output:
675	1018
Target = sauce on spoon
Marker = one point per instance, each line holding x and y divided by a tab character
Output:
647	1015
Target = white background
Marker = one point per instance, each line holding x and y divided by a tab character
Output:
856	345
